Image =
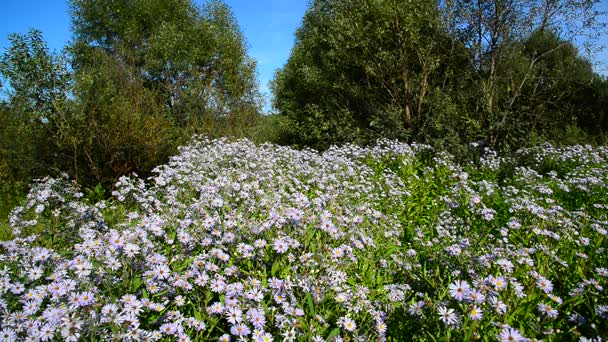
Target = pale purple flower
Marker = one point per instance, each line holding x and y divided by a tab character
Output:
548	310
447	316
476	313
240	330
459	290
510	335
280	246
544	284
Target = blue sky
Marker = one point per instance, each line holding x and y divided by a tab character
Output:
268	25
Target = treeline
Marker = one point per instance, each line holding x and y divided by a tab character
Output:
140	77
501	72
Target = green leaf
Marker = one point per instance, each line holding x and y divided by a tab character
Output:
136	283
310	305
275	268
333	333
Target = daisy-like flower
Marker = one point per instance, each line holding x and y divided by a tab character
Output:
602	311
498	305
113	264
83	269
75	300
595	283
577	291
279	298
577	319
35	273
509	334
8	334
289	335
476	297
348	324
505	265
71	330
381	327
548	310
518	289
555	298
280	246
216	308
30	307
257	319
234	315
476	313
180	300
129	299
162	272
260	243
168	328
544	284
447	316
46	333
341	297
131	250
416	308
459	290
498	283
218	285
514	225
266	337
475	200
86	298
240	330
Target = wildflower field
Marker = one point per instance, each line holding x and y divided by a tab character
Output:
232	241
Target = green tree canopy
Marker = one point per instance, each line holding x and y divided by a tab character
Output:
365	69
194	58
37	80
37	85
138	79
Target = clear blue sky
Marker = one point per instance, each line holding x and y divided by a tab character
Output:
269	26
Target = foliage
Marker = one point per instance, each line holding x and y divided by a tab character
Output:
138	80
493	31
446	72
127	129
193	59
390	242
362	69
36	99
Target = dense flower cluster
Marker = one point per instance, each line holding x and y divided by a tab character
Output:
233	241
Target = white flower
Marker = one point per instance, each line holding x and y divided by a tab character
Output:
447	316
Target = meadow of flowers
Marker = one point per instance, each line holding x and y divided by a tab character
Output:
231	241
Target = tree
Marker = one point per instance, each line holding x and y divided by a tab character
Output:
142	77
38	80
149	74
494	30
366	69
553	95
37	83
194	58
